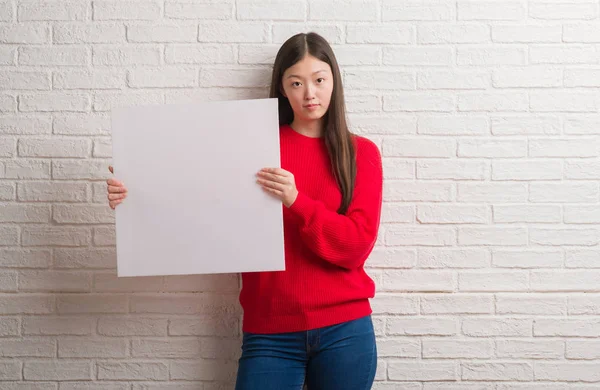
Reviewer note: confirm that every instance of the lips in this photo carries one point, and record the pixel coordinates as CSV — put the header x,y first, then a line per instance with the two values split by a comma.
x,y
312,105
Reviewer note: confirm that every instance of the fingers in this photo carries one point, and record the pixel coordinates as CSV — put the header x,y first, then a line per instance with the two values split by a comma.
x,y
116,189
117,196
273,191
271,184
115,182
110,168
273,177
276,171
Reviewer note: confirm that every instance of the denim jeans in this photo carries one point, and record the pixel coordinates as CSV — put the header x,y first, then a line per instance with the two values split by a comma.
x,y
337,357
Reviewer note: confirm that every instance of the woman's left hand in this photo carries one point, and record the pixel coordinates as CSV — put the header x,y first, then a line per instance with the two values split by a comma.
x,y
280,183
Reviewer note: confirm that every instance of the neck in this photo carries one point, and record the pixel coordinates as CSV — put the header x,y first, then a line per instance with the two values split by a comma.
x,y
310,128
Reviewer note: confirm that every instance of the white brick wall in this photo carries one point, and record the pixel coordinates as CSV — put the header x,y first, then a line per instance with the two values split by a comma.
x,y
486,112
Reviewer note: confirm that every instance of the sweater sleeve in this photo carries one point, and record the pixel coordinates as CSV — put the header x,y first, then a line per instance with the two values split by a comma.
x,y
346,240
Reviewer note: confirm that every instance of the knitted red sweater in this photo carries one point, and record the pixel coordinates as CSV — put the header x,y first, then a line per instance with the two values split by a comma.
x,y
324,282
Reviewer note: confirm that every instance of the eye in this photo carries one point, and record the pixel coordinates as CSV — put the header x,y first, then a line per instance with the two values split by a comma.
x,y
296,84
320,80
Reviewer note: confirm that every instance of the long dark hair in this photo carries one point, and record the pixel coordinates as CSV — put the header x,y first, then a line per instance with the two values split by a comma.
x,y
338,139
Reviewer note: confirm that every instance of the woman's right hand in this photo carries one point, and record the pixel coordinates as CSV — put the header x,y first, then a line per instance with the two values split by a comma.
x,y
117,192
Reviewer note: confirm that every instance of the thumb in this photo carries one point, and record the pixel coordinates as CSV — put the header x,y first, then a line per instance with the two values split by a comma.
x,y
110,168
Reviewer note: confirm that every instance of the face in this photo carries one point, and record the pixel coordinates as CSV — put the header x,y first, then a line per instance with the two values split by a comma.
x,y
308,85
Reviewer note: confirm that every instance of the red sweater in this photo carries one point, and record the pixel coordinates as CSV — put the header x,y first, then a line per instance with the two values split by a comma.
x,y
324,282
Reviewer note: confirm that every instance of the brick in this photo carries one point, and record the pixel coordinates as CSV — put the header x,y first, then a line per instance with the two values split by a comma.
x,y
21,125
380,79
527,259
531,214
82,214
585,237
399,348
163,78
206,326
50,280
422,371
350,10
582,147
386,303
452,169
8,281
528,349
392,258
162,33
586,304
408,147
25,80
93,348
497,371
492,236
419,280
167,348
220,10
24,213
571,280
57,370
55,101
426,236
209,54
526,170
51,192
578,169
132,371
53,56
440,34
457,349
27,348
126,55
395,34
205,369
239,78
570,372
492,148
564,11
7,191
524,33
452,258
26,304
493,281
184,304
28,386
30,33
271,10
53,148
422,326
439,101
582,258
103,32
54,326
40,236
562,54
126,10
7,11
486,327
80,170
53,11
8,103
81,124
238,32
459,79
97,79
8,55
491,55
566,327
487,10
204,283
531,304
583,349
563,192
9,327
411,191
415,56
10,370
133,326
563,101
492,101
110,282
417,11
456,304
358,55
104,236
9,235
97,303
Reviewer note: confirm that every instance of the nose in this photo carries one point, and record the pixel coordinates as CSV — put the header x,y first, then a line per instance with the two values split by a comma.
x,y
309,92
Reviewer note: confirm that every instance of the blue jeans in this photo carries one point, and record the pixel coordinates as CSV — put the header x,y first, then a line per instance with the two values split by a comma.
x,y
337,357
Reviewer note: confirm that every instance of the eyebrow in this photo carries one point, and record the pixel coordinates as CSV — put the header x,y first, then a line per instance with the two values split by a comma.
x,y
318,71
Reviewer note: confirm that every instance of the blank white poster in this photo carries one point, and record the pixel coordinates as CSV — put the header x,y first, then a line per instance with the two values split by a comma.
x,y
193,204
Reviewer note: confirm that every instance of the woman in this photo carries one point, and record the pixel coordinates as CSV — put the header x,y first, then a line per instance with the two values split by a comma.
x,y
312,322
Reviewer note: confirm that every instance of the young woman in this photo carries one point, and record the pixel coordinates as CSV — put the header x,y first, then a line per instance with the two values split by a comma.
x,y
311,324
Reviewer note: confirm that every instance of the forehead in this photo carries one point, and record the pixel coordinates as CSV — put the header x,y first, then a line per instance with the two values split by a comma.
x,y
307,67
